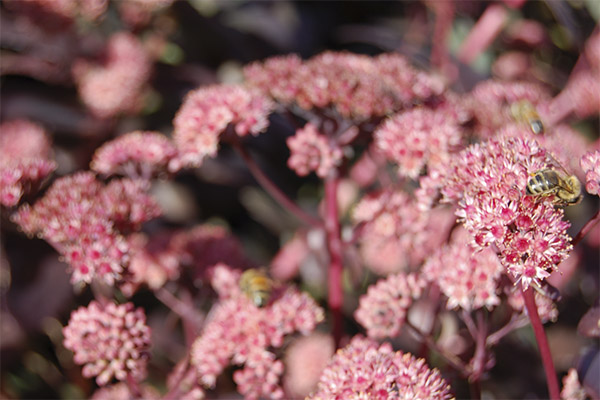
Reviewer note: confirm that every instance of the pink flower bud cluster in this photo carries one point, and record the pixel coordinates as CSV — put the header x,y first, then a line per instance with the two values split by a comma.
x,y
135,155
366,370
417,138
239,333
356,86
590,163
490,103
207,111
312,151
24,159
468,278
489,181
382,311
58,15
81,218
116,85
391,225
305,360
111,340
572,389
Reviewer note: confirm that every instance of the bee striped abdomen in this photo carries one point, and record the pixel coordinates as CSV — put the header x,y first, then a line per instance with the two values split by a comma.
x,y
542,182
257,286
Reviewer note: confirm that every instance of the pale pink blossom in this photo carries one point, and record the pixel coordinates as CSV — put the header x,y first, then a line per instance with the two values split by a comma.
x,y
467,277
312,151
239,333
489,182
382,311
85,222
135,154
109,340
572,389
117,84
58,15
365,370
590,163
25,151
417,138
206,113
305,359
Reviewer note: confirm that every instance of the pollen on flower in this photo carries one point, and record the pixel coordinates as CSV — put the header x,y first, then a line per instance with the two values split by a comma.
x,y
367,370
311,151
239,333
136,154
82,219
207,111
417,138
110,341
116,85
467,277
590,163
489,181
382,311
24,159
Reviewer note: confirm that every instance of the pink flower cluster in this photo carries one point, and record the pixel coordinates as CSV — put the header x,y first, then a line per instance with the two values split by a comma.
x,y
58,15
365,370
135,155
83,220
24,159
116,85
356,86
489,181
239,333
312,151
467,277
392,227
572,389
590,163
382,311
111,340
417,138
207,111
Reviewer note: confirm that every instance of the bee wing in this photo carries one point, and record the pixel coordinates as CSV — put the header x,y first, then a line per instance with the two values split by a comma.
x,y
555,163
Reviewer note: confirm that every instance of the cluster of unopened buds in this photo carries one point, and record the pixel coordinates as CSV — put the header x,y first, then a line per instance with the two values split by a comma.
x,y
461,203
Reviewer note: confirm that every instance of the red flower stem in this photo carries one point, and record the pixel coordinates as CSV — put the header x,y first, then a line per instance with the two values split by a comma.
x,y
334,244
274,191
134,387
483,33
479,358
586,228
540,335
515,322
192,320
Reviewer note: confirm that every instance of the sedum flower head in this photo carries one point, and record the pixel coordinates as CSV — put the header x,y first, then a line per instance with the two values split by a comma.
x,y
467,277
83,219
590,163
206,112
366,370
116,85
417,138
110,341
311,151
24,159
135,154
382,311
239,333
489,181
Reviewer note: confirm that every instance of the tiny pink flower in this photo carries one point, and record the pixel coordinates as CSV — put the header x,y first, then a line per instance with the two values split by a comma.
x,y
116,85
572,389
206,112
110,341
468,278
135,155
239,333
24,159
417,138
366,370
311,151
382,311
590,163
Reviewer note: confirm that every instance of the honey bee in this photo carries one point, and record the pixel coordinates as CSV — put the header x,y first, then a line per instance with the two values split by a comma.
x,y
257,286
565,188
525,112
